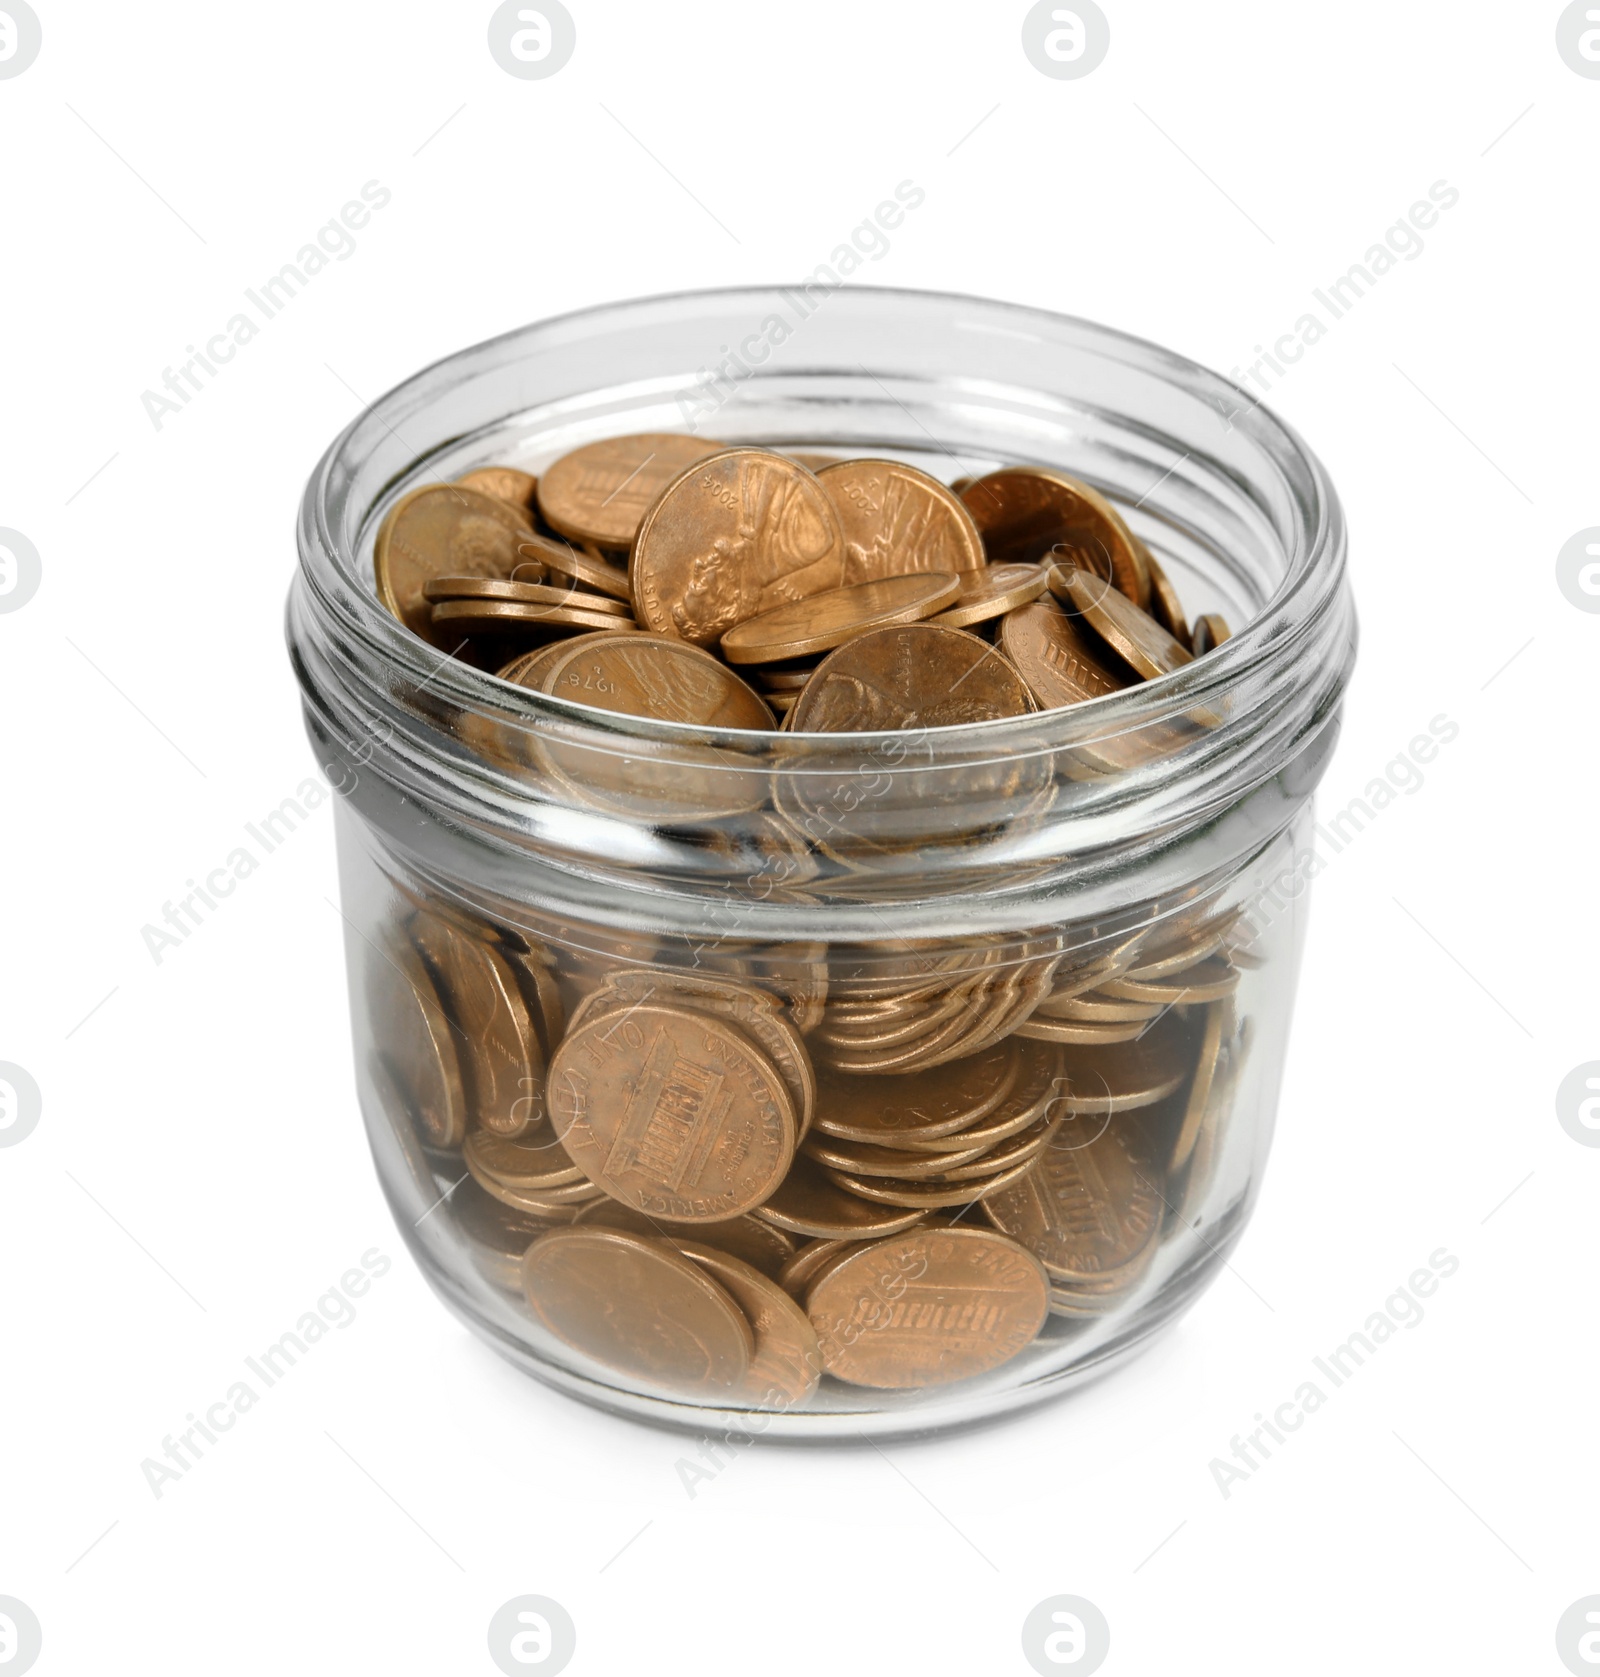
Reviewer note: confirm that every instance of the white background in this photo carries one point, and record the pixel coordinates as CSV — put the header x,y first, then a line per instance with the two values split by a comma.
x,y
199,1176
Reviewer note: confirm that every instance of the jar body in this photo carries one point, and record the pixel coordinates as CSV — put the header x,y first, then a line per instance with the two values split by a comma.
x,y
1080,936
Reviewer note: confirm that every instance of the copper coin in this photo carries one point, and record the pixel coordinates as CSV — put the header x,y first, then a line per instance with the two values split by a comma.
x,y
858,1159
1165,606
747,1238
497,1236
826,620
1121,1077
778,679
806,1202
505,483
739,533
502,617
1210,631
1134,635
528,669
653,675
636,1306
1040,1088
534,1160
1199,1095
520,593
1089,1203
498,1047
1206,981
787,1364
442,530
1097,1008
555,1205
598,493
1041,1028
992,592
923,1196
415,1039
927,1308
1060,661
601,578
673,1112
806,1265
912,676
897,519
921,1106
1030,514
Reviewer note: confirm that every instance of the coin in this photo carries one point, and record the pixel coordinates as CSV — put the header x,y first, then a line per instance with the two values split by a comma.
x,y
1028,514
858,1159
1132,634
787,1364
747,1238
927,1308
911,676
807,1264
673,1112
555,1205
826,620
921,1106
520,593
737,534
897,519
922,1196
1122,1077
1044,1029
1165,605
535,1160
1210,631
806,1202
610,580
1205,1070
1040,1086
500,617
777,679
1061,663
505,483
598,493
636,1306
414,1037
442,529
992,592
653,675
497,1236
498,1048
1098,1008
1206,981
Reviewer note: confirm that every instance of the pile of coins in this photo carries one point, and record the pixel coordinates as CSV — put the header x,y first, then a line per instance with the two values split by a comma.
x,y
755,592
756,1173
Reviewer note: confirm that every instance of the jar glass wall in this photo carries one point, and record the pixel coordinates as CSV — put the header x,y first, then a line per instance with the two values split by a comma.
x,y
992,1018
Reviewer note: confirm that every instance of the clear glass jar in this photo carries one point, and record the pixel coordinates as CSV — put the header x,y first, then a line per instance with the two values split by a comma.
x,y
903,903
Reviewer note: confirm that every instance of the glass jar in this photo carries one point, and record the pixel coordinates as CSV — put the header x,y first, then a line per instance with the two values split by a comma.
x,y
1082,924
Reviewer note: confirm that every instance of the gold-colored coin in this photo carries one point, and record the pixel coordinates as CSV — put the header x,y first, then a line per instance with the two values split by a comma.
x,y
520,593
735,535
505,483
414,1037
787,1364
673,1112
598,493
503,617
1165,605
1134,635
1210,631
634,1305
897,519
927,1308
829,619
442,529
914,675
1061,663
806,1202
992,592
920,1107
594,574
747,1238
1031,514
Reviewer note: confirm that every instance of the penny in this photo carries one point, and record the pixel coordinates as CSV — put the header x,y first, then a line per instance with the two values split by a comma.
x,y
534,1160
737,534
1132,634
992,592
993,1162
1044,1029
786,1364
528,669
1150,968
496,1235
499,617
756,1012
897,519
610,580
1097,1008
559,1204
652,675
922,1196
598,493
747,1238
826,620
442,529
911,676
1089,1203
927,1308
1061,663
920,1107
519,593
636,1306
1165,605
1029,514
416,1041
498,1047
1041,1086
1210,631
806,1202
1122,1077
807,1264
858,1159
778,679
505,483
673,1112
1205,981
1205,1070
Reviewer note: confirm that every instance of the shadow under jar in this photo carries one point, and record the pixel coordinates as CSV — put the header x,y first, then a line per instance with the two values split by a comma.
x,y
807,1010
